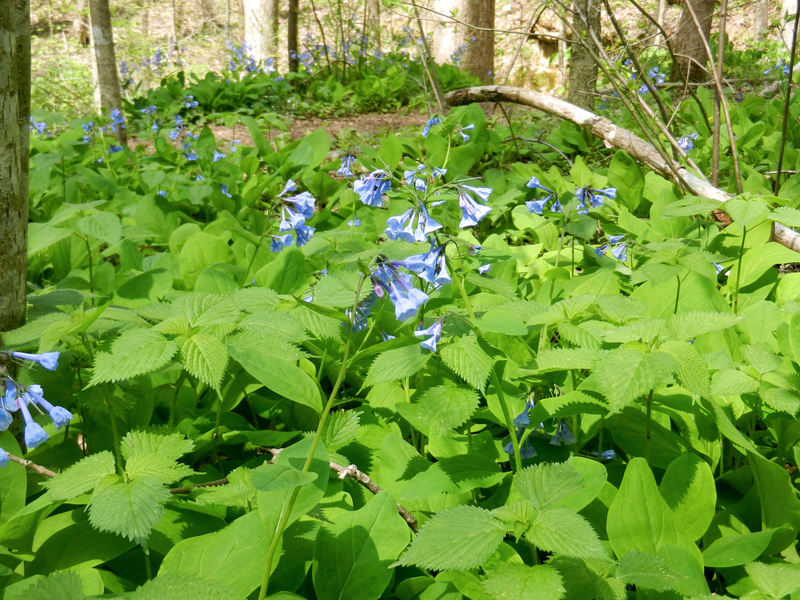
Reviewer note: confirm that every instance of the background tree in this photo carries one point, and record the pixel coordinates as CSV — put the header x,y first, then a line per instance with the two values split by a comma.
x,y
464,30
15,82
261,27
291,34
372,22
583,70
690,53
105,59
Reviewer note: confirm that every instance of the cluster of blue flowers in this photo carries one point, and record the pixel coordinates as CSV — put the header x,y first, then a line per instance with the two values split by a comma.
x,y
619,249
293,219
686,142
782,66
19,398
39,128
587,198
562,436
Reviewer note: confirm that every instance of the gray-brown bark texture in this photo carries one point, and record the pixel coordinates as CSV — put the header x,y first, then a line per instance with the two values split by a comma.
x,y
291,35
105,58
14,106
479,54
583,68
690,53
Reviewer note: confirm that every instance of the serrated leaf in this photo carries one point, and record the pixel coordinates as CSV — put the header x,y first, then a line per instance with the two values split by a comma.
x,y
447,406
239,491
278,326
256,299
521,582
128,508
274,477
396,364
81,477
625,374
205,357
102,226
135,352
321,326
468,360
338,289
341,428
785,215
565,532
63,585
180,586
647,571
781,400
171,446
470,471
732,382
462,537
206,310
546,484
559,359
689,325
776,580
693,370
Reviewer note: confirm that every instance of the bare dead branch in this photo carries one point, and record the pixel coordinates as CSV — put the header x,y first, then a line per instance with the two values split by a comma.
x,y
29,464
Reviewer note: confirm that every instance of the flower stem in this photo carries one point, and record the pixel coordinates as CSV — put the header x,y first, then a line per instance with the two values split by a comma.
x,y
648,432
286,511
509,421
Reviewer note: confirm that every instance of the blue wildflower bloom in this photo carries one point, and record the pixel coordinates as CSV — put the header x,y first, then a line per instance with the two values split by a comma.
x,y
435,333
344,169
5,419
430,267
601,251
483,269
402,293
526,450
466,136
189,101
563,435
590,197
224,189
39,127
218,155
117,117
438,172
472,211
304,234
403,226
355,221
371,188
434,120
295,219
537,206
60,415
34,433
149,110
114,148
658,78
608,454
620,252
10,396
290,186
305,204
686,142
279,242
48,360
4,458
412,177
615,239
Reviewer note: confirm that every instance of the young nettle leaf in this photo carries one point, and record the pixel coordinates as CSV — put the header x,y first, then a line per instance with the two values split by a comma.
x,y
81,477
65,585
179,586
468,360
444,407
341,428
647,571
510,581
239,491
135,352
155,456
563,531
548,484
777,581
396,364
462,537
205,357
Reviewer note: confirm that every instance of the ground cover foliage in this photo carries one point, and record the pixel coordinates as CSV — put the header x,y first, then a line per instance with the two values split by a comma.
x,y
555,375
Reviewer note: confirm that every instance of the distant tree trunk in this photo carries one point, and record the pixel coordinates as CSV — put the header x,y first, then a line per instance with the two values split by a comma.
x,y
372,22
255,28
145,36
272,19
80,24
583,70
176,20
209,14
15,81
760,20
788,13
291,35
447,35
107,76
690,53
479,54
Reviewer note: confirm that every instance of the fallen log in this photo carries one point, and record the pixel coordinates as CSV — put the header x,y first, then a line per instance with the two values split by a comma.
x,y
612,135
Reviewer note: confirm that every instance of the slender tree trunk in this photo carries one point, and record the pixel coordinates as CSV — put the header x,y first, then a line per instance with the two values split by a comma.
x,y
479,53
176,20
447,35
583,70
80,24
760,20
145,36
107,76
209,14
15,82
272,19
689,50
372,23
255,28
291,35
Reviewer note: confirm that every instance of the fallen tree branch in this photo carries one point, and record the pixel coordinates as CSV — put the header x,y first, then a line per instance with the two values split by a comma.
x,y
29,464
612,135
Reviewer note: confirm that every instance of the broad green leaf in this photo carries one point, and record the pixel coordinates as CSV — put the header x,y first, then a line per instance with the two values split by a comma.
x,y
135,352
625,374
638,517
559,359
341,428
13,480
785,215
280,376
625,175
462,537
689,490
469,471
180,586
286,274
777,581
128,508
102,226
271,478
338,289
733,550
521,582
468,360
352,555
500,321
81,477
396,364
64,585
239,490
565,532
444,407
233,557
746,211
647,571
205,357
757,261
687,326
779,503
546,484
199,251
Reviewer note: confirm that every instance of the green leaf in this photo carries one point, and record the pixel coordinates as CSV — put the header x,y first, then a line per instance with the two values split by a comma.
x,y
155,456
135,352
239,490
201,250
565,532
625,374
734,550
693,371
338,289
445,407
689,325
352,555
277,374
462,537
689,490
341,428
271,478
521,582
746,211
13,481
205,357
625,175
546,484
757,261
102,226
500,321
128,508
63,585
777,581
638,517
785,215
647,571
396,364
286,274
468,360
81,477
179,586
779,503
559,359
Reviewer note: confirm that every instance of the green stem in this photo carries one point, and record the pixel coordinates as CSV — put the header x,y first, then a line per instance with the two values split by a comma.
x,y
600,436
677,295
459,281
215,437
91,273
174,404
114,434
739,273
558,260
286,511
148,569
648,432
509,421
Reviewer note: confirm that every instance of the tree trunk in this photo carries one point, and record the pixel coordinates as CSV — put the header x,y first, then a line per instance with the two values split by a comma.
x,y
272,19
15,82
80,24
479,53
760,20
107,76
583,70
788,13
690,53
255,28
445,31
291,35
372,23
209,14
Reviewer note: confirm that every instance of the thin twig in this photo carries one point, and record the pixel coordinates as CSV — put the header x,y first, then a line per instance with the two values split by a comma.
x,y
29,464
786,113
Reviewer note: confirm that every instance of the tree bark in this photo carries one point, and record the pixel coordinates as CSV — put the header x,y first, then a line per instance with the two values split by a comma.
x,y
583,70
372,23
479,53
209,15
291,35
14,108
255,28
689,50
80,24
107,76
272,18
